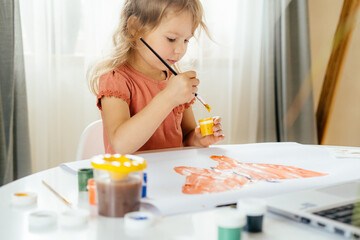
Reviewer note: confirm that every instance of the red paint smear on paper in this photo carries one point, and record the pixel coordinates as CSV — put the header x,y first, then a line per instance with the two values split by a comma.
x,y
231,174
200,180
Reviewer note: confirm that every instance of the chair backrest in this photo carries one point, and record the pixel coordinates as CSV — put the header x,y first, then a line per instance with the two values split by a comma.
x,y
91,142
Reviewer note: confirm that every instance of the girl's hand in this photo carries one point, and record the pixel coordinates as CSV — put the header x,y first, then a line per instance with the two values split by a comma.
x,y
210,139
182,88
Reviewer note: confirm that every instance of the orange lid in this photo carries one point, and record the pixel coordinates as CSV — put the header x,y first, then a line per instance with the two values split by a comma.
x,y
91,182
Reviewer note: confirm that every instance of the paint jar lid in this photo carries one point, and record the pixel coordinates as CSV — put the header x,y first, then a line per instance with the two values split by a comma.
x,y
252,206
91,182
42,219
230,218
86,172
23,199
138,220
74,218
206,121
118,163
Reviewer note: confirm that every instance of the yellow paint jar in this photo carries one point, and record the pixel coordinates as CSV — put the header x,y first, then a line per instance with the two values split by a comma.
x,y
206,126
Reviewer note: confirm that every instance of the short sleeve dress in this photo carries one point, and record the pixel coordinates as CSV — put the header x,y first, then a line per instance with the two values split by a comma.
x,y
137,90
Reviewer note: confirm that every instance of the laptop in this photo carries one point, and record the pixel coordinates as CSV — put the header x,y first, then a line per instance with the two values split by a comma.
x,y
334,208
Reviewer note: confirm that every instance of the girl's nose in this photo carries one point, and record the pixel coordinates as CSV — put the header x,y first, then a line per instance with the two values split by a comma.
x,y
180,48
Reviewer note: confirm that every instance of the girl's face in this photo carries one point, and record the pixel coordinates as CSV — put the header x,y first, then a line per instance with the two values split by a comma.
x,y
170,40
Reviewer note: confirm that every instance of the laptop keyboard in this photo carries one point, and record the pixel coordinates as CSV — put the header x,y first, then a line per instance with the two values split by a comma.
x,y
348,214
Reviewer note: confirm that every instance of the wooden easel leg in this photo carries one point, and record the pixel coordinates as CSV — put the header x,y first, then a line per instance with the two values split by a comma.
x,y
344,30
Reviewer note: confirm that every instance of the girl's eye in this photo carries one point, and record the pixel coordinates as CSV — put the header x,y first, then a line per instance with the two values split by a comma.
x,y
171,39
186,41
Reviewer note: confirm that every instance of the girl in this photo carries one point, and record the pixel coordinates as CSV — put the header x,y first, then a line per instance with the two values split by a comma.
x,y
142,105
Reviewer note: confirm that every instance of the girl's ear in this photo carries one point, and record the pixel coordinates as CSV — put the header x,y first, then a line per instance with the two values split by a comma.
x,y
132,25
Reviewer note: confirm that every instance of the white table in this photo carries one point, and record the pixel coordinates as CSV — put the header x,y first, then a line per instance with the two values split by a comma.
x,y
14,220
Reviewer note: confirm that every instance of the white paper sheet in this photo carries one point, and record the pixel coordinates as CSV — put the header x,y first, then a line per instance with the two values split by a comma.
x,y
343,152
73,167
164,187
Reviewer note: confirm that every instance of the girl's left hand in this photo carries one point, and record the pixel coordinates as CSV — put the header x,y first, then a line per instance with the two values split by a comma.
x,y
213,138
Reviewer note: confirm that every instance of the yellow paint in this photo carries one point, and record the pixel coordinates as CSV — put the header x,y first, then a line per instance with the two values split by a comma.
x,y
21,194
207,107
206,126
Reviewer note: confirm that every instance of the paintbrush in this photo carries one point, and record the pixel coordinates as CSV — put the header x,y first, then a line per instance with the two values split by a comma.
x,y
57,194
173,72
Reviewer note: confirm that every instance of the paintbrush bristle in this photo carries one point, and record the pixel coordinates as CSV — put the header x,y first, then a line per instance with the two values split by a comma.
x,y
207,107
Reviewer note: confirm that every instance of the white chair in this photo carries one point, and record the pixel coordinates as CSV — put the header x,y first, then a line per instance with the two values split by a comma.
x,y
91,142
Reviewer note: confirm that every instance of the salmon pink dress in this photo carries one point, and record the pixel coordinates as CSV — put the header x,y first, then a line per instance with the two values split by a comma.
x,y
137,90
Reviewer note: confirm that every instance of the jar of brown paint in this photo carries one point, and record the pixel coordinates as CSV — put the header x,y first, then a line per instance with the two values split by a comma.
x,y
118,181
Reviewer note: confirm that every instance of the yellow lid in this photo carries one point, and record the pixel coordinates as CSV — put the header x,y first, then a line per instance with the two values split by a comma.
x,y
119,163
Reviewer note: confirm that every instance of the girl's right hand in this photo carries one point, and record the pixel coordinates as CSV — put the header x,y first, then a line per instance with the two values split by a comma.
x,y
182,87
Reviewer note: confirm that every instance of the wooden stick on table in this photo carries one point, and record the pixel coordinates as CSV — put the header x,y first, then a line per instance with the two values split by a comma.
x,y
57,194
